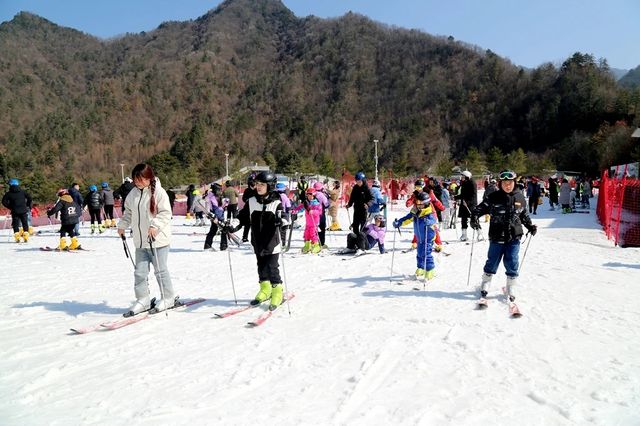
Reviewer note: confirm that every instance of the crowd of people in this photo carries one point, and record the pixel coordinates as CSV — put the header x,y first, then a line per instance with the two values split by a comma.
x,y
270,210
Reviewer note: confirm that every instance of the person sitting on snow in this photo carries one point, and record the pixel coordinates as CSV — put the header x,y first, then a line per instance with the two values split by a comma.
x,y
367,239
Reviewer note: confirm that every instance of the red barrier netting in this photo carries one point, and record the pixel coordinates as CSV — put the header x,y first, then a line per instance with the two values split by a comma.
x,y
619,208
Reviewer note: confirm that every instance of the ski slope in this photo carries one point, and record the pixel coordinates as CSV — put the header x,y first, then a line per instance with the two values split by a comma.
x,y
356,348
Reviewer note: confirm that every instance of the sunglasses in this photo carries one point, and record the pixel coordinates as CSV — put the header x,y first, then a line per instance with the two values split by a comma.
x,y
509,175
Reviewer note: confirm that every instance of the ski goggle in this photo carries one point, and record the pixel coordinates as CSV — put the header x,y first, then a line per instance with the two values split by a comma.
x,y
508,175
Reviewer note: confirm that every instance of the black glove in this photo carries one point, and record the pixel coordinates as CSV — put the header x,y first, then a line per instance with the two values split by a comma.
x,y
475,224
294,217
382,207
533,229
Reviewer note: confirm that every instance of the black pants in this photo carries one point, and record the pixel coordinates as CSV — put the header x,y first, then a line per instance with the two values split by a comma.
x,y
269,269
358,241
68,229
213,230
245,232
108,211
359,220
16,219
533,204
323,227
95,216
232,211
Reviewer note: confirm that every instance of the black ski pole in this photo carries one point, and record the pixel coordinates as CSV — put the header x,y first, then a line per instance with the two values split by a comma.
x,y
126,250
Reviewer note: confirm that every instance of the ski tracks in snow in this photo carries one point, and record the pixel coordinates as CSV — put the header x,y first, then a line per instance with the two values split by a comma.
x,y
372,375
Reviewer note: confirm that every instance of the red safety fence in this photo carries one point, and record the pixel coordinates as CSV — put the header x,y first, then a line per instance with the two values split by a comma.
x,y
619,208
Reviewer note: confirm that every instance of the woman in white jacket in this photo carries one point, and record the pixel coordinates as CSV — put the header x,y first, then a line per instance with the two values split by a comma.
x,y
147,212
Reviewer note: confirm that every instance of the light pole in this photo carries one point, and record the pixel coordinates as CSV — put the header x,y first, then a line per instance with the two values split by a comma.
x,y
122,171
375,141
227,164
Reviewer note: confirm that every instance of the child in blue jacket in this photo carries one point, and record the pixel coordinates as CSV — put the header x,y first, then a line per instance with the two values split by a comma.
x,y
424,222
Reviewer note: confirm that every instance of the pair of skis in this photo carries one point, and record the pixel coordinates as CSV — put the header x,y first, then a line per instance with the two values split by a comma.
x,y
260,319
514,311
131,319
47,248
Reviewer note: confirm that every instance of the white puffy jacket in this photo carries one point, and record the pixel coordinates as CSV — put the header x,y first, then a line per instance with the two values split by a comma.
x,y
139,218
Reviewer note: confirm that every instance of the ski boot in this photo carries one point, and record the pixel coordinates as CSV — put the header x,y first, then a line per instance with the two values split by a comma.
x,y
163,305
276,296
63,244
315,248
75,245
264,293
463,237
16,236
93,228
420,273
429,275
138,306
307,247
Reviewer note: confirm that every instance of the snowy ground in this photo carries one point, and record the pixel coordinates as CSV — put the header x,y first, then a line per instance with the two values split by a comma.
x,y
356,348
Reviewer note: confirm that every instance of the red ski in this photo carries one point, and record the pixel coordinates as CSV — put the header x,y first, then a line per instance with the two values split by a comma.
x,y
266,315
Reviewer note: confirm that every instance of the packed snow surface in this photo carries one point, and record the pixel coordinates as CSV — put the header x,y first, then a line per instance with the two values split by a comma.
x,y
353,346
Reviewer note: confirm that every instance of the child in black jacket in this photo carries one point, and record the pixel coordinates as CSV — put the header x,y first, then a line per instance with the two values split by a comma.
x,y
263,212
69,218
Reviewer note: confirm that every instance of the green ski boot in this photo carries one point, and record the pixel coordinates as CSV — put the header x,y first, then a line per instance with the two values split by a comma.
x,y
307,247
276,296
263,294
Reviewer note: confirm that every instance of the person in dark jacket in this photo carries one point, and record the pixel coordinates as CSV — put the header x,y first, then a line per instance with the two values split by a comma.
x,y
553,193
533,192
19,203
508,210
246,195
123,190
74,191
264,212
468,198
108,201
361,200
190,197
231,194
70,213
436,188
94,202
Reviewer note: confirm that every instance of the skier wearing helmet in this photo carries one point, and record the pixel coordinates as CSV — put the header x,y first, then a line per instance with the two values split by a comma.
x,y
263,212
323,199
18,202
508,209
94,202
312,214
69,218
361,200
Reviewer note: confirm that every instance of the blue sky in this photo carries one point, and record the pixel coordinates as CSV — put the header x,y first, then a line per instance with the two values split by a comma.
x,y
528,32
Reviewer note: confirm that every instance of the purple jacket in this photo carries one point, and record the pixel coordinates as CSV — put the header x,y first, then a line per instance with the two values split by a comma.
x,y
376,232
322,199
286,202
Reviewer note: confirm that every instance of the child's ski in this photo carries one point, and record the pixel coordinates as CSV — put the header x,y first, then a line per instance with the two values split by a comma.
x,y
482,304
266,315
237,310
514,311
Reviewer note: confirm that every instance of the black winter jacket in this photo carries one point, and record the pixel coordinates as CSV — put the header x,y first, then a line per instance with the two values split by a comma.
x,y
123,190
69,210
261,213
93,200
469,194
17,200
508,215
360,195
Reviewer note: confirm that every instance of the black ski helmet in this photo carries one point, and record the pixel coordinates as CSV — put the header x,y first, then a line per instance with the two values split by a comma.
x,y
268,178
424,197
419,182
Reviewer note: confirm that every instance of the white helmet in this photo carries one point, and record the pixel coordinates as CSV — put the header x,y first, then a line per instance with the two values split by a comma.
x,y
467,173
376,183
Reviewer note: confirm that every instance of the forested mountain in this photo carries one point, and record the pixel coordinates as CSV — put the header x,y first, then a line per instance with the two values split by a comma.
x,y
301,94
632,78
